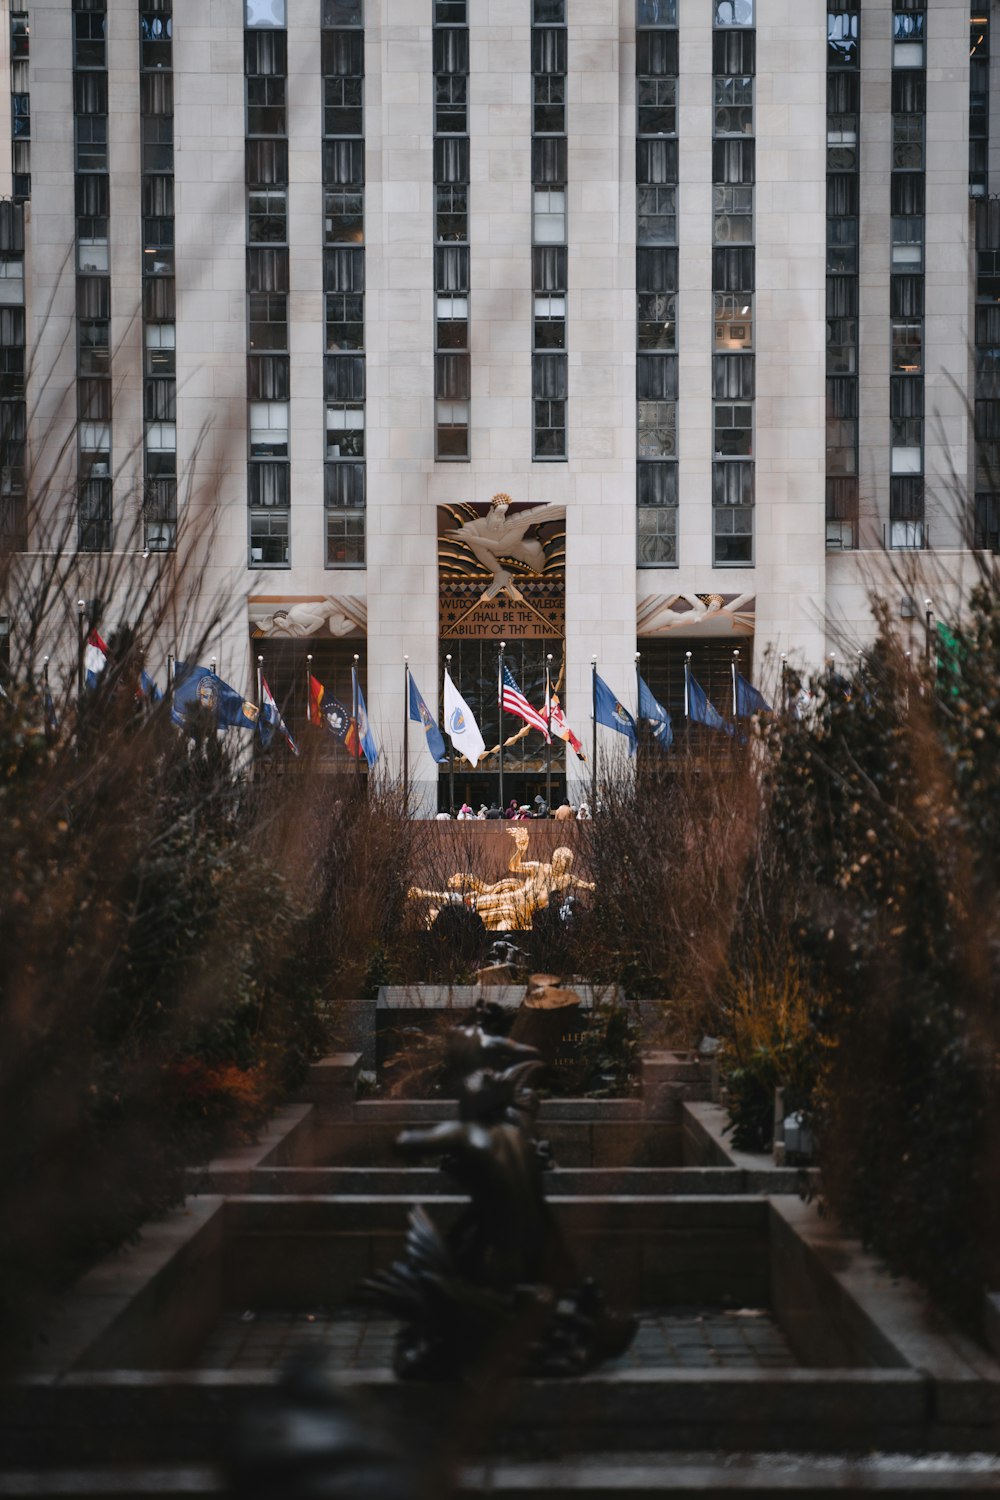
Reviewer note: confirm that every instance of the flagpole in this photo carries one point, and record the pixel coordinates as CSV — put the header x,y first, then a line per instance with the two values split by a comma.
x,y
784,683
735,668
309,670
406,736
170,671
687,698
593,711
451,750
260,683
638,705
548,726
357,727
81,610
503,647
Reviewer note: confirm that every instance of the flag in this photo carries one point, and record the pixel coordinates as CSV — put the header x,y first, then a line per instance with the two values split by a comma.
x,y
560,728
461,725
270,719
608,711
949,658
699,710
749,700
656,716
364,729
327,711
514,701
421,714
95,659
198,687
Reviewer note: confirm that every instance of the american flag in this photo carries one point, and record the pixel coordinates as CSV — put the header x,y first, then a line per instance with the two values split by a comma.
x,y
514,701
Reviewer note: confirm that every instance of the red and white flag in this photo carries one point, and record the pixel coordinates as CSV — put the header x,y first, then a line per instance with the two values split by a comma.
x,y
95,658
561,729
514,701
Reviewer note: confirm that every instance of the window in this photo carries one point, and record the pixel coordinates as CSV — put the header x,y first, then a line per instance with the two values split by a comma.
x,y
345,431
95,446
343,111
908,143
266,105
733,312
347,12
267,216
549,223
158,143
451,426
656,215
906,443
908,39
452,322
842,247
839,536
907,347
733,106
161,449
986,534
549,429
158,247
841,143
21,112
20,35
732,535
548,11
841,445
450,104
550,322
732,208
841,346
89,49
268,429
450,12
266,13
91,254
94,515
269,538
345,538
842,30
549,117
268,321
656,435
656,541
343,217
657,106
906,536
91,143
95,348
452,212
734,12
907,244
155,34
656,13
733,429
345,321
161,354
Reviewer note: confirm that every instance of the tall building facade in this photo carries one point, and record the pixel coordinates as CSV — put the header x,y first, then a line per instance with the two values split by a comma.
x,y
712,281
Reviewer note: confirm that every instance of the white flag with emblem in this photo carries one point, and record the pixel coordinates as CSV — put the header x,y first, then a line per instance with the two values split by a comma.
x,y
460,723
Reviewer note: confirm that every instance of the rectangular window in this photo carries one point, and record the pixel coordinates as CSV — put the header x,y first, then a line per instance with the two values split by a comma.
x,y
451,213
732,535
349,12
268,321
841,143
734,12
906,444
345,321
656,541
733,422
656,215
451,428
89,47
95,348
94,515
732,209
549,429
656,13
161,352
91,256
345,538
549,111
908,244
343,217
907,348
842,247
841,445
908,143
266,13
266,114
345,430
549,220
906,536
91,143
450,104
268,429
343,110
452,322
656,435
155,41
267,216
158,143
550,322
908,30
733,312
841,346
733,106
657,106
269,538
842,31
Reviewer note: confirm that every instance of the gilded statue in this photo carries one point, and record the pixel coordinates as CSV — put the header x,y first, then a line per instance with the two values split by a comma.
x,y
511,903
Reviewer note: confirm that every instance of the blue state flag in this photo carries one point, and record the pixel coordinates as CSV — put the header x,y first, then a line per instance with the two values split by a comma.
x,y
421,714
656,716
198,687
700,711
149,691
749,700
365,736
610,711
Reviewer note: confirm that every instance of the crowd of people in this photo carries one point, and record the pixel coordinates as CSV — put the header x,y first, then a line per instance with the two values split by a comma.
x,y
514,813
